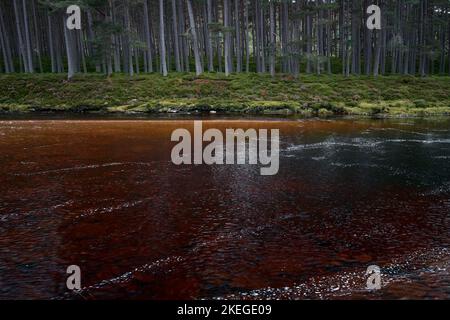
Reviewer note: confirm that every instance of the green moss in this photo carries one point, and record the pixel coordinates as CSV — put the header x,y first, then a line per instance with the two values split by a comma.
x,y
250,93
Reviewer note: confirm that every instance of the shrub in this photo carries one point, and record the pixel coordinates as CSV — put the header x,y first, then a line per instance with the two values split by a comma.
x,y
420,103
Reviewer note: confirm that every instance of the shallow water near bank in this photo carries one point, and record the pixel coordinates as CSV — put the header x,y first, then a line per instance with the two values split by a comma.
x,y
104,195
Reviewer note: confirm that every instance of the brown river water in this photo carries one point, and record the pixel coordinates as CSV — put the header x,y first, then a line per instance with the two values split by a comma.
x,y
104,195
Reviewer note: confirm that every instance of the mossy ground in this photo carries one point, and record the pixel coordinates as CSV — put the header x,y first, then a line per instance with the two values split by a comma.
x,y
246,93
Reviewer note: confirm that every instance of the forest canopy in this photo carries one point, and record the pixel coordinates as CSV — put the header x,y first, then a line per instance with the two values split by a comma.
x,y
231,36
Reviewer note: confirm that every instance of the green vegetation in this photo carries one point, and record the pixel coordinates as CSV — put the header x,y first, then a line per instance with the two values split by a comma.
x,y
244,93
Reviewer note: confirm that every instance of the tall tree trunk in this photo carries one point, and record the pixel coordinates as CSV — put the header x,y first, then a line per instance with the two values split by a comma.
x,y
70,50
378,35
272,38
308,41
19,36
247,37
376,64
319,37
210,50
355,38
4,51
115,39
128,56
262,39
422,37
59,44
162,39
448,45
90,40
367,47
340,32
383,50
109,48
29,51
148,40
198,61
442,49
176,36
226,19
185,44
238,35
82,51
7,55
328,38
36,36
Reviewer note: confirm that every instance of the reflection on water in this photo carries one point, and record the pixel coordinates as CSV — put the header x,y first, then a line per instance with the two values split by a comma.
x,y
104,195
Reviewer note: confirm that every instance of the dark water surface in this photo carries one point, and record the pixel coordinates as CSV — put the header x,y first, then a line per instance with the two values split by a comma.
x,y
104,195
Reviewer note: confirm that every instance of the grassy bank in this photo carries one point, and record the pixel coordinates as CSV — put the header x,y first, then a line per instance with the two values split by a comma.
x,y
308,95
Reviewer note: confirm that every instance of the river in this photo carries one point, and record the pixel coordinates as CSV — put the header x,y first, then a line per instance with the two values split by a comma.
x,y
104,195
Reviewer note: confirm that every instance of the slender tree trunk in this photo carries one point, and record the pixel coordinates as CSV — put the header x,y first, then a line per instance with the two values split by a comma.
x,y
341,29
328,39
448,45
308,42
284,17
208,35
198,62
29,51
343,35
109,48
4,51
247,37
91,39
422,37
377,60
176,36
7,55
71,57
82,51
348,48
319,38
148,40
115,39
262,39
383,50
136,59
36,36
59,45
128,57
186,50
226,15
367,47
442,58
238,35
376,65
19,36
162,39
272,38
355,38
296,38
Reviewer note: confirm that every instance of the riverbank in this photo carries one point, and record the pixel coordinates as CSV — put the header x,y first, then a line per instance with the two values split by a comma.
x,y
309,95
